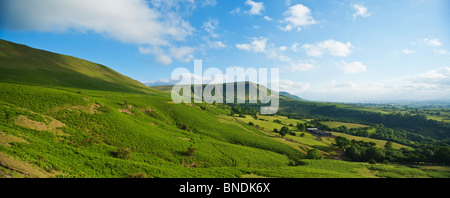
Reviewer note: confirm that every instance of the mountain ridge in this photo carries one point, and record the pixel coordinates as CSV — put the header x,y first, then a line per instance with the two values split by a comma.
x,y
23,64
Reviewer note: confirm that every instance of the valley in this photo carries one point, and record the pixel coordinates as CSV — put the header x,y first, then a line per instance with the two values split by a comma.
x,y
61,116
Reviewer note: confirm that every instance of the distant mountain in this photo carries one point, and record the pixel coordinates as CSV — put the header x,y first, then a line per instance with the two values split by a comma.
x,y
288,95
26,65
248,86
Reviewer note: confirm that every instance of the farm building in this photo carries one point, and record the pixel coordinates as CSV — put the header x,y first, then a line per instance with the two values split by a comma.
x,y
318,132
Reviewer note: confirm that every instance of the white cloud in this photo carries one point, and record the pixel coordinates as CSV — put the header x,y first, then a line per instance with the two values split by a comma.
x,y
360,11
208,3
294,47
160,55
256,7
293,86
128,21
332,47
217,44
432,42
210,26
148,24
257,45
297,66
407,51
297,16
441,51
164,59
236,11
277,54
437,79
183,54
352,68
267,18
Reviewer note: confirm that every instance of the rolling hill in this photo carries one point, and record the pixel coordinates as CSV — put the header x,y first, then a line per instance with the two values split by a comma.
x,y
25,65
62,116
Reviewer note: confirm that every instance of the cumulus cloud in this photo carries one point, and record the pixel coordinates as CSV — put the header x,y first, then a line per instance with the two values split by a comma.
x,y
256,7
297,66
149,24
210,26
441,51
257,45
437,79
216,44
297,16
267,18
293,86
361,11
332,47
183,54
352,68
128,21
432,42
408,51
287,64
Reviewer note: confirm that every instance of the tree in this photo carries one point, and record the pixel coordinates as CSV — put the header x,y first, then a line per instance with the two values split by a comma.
x,y
301,127
375,153
284,131
353,153
342,142
442,155
389,145
314,154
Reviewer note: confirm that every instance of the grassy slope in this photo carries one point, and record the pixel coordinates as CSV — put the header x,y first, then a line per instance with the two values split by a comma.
x,y
25,65
50,129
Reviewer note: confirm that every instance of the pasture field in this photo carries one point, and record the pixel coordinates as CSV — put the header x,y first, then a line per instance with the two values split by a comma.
x,y
332,124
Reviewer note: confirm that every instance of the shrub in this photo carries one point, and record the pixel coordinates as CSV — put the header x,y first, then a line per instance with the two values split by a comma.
x,y
191,151
104,109
137,175
314,154
124,153
372,161
185,127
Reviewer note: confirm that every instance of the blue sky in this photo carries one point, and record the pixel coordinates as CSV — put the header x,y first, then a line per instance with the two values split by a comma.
x,y
328,50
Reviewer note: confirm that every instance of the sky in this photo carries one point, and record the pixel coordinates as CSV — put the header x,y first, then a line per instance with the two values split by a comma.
x,y
327,50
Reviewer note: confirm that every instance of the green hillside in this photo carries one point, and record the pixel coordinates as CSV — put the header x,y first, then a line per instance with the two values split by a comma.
x,y
25,65
65,117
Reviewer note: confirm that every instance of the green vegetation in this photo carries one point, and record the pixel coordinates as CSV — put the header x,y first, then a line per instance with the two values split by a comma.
x,y
65,117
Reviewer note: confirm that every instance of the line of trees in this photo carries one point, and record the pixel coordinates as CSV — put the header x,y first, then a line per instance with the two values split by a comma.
x,y
368,152
413,122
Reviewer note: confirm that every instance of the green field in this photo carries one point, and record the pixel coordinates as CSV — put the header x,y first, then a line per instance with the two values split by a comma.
x,y
338,124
